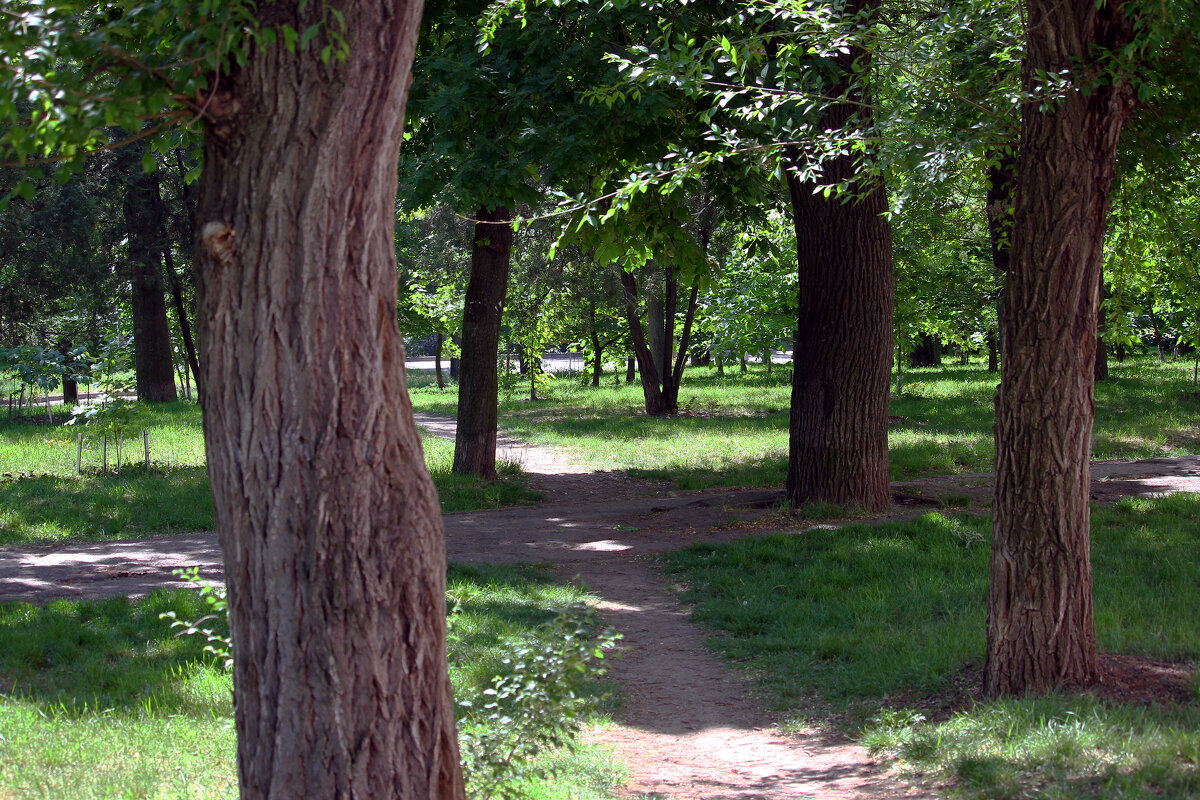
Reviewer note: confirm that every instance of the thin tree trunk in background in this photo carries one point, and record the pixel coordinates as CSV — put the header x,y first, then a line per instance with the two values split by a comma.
x,y
144,214
185,327
1157,337
328,520
1041,632
842,358
651,387
993,363
1001,194
437,361
742,359
483,309
598,351
455,365
630,369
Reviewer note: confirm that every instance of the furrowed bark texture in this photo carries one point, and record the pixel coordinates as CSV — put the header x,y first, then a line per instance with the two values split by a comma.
x,y
329,523
842,355
154,372
1040,625
483,310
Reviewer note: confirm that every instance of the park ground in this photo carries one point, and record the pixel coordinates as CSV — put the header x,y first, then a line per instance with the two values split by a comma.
x,y
837,654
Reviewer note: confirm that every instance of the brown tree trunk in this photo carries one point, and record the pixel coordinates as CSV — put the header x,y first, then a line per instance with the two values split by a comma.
x,y
437,361
1041,632
598,351
927,353
1100,372
1001,192
483,308
647,370
842,356
185,327
329,522
993,362
153,369
630,369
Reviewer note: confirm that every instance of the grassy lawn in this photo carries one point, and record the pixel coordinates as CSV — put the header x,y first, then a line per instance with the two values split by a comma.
x,y
100,700
873,627
42,499
732,430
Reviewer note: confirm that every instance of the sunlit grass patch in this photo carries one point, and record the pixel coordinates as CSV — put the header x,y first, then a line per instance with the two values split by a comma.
x,y
875,628
101,700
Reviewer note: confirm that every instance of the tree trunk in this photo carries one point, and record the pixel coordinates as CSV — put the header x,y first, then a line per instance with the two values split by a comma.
x,y
153,370
1100,371
1001,193
455,364
483,308
656,404
993,363
185,327
70,392
842,356
630,369
328,520
655,322
1041,632
598,351
927,353
437,361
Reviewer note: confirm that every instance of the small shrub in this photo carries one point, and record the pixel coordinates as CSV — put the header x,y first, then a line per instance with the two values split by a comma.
x,y
537,705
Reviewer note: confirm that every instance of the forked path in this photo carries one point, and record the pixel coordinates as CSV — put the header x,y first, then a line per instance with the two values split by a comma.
x,y
689,727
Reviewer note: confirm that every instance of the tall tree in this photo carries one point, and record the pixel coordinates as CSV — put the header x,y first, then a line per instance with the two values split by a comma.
x,y
842,354
328,520
1041,631
145,216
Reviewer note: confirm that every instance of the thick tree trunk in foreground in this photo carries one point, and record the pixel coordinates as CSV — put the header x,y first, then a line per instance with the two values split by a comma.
x,y
153,368
1040,626
842,356
483,309
329,523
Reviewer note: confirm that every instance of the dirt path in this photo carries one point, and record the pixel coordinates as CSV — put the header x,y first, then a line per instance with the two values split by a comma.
x,y
689,727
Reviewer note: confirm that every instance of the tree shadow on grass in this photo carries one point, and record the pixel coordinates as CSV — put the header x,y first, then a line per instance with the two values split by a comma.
x,y
134,503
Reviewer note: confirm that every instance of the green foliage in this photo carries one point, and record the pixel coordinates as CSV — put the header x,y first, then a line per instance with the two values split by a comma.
x,y
536,704
216,606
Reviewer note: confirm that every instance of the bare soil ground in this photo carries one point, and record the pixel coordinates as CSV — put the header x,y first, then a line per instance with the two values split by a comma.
x,y
690,726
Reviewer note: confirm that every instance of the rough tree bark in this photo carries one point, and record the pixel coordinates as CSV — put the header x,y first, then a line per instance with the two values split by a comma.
x,y
327,517
483,309
1040,625
842,355
154,372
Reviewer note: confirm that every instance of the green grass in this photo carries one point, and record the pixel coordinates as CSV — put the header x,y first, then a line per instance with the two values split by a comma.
x,y
42,499
862,625
732,430
100,700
